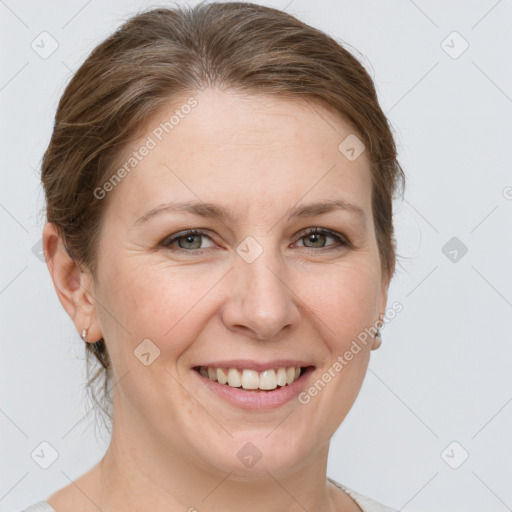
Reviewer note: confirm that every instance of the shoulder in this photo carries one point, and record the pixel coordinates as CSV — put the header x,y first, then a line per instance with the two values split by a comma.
x,y
81,495
40,506
366,504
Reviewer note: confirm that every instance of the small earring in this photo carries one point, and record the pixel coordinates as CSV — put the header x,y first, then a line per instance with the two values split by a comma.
x,y
378,340
84,335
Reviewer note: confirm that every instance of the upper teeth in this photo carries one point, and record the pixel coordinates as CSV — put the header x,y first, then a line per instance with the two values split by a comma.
x,y
251,379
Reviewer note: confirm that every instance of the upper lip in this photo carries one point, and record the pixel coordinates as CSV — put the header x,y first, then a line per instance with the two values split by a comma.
x,y
246,364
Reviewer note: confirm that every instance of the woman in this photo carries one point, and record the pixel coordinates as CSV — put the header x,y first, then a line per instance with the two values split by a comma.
x,y
219,189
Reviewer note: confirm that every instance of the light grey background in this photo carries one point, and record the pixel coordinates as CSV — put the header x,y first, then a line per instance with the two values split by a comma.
x,y
443,372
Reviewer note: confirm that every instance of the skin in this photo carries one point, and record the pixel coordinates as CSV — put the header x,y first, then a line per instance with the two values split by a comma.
x,y
174,443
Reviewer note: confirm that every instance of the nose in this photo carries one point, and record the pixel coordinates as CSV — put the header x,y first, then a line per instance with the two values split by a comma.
x,y
260,303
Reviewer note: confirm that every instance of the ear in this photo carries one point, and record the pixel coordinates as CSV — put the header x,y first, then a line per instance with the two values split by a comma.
x,y
383,299
74,287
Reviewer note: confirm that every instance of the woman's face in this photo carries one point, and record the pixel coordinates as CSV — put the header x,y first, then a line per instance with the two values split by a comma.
x,y
253,290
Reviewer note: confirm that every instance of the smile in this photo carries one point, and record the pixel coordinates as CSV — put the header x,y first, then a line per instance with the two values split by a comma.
x,y
252,379
254,386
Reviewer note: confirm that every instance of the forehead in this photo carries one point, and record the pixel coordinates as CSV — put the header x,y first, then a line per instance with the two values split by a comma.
x,y
255,150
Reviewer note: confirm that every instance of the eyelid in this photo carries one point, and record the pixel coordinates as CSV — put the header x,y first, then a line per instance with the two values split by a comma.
x,y
167,241
342,240
339,237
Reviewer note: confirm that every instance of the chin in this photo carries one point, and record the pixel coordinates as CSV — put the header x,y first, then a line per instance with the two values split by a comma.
x,y
256,453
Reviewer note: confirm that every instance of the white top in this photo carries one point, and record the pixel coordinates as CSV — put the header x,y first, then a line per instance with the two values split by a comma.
x,y
366,504
40,506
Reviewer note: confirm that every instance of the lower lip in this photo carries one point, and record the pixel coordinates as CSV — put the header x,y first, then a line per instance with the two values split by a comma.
x,y
258,399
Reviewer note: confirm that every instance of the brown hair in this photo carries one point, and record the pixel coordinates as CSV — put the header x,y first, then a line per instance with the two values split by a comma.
x,y
162,54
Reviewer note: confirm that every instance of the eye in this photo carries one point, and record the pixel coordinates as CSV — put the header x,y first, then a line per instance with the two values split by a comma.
x,y
187,241
315,238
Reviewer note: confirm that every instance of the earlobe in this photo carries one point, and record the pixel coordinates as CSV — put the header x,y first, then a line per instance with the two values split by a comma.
x,y
71,284
377,340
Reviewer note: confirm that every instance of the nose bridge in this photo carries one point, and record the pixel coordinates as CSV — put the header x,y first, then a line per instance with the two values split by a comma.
x,y
259,298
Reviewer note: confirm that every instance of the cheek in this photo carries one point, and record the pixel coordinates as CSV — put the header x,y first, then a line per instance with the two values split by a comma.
x,y
163,304
345,299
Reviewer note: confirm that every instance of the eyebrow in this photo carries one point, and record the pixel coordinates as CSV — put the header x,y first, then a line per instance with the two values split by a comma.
x,y
217,211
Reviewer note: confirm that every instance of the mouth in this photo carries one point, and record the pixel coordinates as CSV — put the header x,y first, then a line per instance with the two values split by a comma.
x,y
252,386
253,380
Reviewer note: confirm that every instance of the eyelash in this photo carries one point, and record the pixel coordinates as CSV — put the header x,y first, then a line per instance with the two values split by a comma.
x,y
341,240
